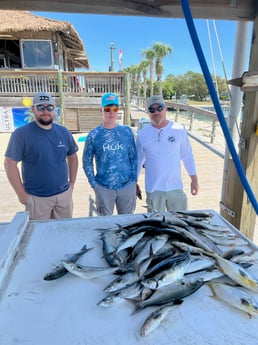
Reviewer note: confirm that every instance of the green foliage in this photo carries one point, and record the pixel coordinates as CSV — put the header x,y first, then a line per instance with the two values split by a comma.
x,y
191,84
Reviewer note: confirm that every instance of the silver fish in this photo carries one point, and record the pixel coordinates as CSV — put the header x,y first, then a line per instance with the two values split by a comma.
x,y
156,317
226,232
130,241
251,257
152,246
172,220
130,291
227,240
200,263
198,214
59,270
87,272
167,276
236,297
234,271
170,293
125,279
197,240
185,247
237,273
205,275
113,259
160,262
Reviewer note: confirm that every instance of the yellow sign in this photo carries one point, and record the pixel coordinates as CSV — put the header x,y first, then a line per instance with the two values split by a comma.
x,y
26,102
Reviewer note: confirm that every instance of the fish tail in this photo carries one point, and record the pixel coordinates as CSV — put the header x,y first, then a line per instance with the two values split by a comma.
x,y
137,307
87,249
84,248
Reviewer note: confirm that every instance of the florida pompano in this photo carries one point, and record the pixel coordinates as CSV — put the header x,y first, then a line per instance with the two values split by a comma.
x,y
235,296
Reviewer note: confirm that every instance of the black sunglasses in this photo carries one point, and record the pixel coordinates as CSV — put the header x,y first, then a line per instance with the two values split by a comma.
x,y
41,107
159,109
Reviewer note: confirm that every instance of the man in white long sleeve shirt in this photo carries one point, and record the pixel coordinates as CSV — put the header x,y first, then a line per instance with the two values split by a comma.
x,y
161,146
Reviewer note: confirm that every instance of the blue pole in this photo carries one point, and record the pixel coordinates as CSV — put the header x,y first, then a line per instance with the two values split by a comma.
x,y
214,97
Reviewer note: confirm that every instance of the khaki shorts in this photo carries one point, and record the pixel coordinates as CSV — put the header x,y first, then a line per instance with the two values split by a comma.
x,y
173,200
53,207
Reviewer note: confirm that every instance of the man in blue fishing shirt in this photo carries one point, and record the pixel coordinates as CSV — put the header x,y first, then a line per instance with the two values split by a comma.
x,y
113,174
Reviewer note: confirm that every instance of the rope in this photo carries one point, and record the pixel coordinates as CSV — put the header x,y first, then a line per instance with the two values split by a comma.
x,y
217,106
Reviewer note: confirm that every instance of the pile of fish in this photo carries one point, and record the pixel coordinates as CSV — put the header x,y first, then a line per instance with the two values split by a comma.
x,y
162,259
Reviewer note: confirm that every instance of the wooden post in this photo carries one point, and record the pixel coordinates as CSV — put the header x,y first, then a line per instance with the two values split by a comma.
x,y
61,96
236,207
177,114
213,131
191,121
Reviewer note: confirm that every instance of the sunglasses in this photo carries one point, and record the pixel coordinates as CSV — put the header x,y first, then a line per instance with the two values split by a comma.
x,y
108,109
41,107
159,109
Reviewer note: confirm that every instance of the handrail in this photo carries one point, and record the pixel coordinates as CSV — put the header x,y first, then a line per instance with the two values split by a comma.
x,y
189,115
28,82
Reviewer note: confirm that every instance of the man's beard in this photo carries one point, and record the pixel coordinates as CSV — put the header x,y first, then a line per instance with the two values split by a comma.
x,y
45,123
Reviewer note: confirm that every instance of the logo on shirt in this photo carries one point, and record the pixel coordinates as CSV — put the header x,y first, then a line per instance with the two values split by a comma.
x,y
113,147
171,139
60,144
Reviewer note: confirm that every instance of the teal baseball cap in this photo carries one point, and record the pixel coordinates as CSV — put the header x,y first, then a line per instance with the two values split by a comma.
x,y
109,98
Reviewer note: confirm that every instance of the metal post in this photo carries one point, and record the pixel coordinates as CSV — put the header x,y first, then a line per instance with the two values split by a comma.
x,y
112,47
127,118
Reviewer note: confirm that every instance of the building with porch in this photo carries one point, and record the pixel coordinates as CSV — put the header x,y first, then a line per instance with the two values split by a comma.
x,y
40,54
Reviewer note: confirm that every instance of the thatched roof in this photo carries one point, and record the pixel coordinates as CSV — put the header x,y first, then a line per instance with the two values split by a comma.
x,y
20,21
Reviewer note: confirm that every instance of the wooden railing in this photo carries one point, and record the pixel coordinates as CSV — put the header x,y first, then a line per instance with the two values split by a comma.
x,y
27,82
201,122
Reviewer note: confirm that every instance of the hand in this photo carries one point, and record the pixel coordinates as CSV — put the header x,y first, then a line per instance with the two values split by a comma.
x,y
195,188
23,198
138,192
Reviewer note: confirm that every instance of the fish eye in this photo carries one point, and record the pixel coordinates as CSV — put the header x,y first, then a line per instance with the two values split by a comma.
x,y
244,302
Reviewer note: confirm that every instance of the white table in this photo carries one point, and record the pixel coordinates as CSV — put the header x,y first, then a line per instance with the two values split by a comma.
x,y
65,311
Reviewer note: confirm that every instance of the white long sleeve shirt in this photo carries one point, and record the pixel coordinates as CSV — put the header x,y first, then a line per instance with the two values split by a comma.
x,y
161,151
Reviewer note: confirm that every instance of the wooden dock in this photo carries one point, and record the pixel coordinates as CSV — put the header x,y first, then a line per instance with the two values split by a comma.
x,y
207,162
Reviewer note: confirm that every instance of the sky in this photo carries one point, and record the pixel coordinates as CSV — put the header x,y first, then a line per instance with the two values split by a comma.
x,y
134,34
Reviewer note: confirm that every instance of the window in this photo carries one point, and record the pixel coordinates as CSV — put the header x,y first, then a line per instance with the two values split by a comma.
x,y
37,54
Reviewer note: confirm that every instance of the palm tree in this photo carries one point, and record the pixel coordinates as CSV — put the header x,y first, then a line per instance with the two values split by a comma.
x,y
149,55
133,72
144,64
161,50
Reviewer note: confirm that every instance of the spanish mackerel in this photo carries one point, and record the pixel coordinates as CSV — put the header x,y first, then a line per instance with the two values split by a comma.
x,y
88,272
59,270
170,293
156,317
